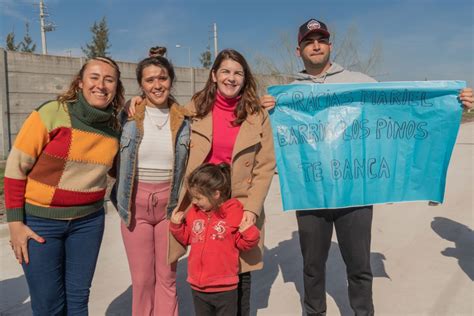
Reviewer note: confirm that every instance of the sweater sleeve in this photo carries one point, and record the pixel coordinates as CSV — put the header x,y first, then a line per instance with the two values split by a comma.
x,y
247,239
29,144
180,232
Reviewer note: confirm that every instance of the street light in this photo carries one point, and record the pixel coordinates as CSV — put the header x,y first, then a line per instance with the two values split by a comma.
x,y
189,53
191,69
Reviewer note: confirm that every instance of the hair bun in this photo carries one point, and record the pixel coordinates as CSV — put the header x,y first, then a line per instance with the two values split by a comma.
x,y
157,51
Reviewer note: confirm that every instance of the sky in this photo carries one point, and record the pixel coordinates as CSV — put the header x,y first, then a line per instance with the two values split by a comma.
x,y
420,39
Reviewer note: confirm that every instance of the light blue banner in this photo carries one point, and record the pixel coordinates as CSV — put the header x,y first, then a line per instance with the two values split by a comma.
x,y
340,145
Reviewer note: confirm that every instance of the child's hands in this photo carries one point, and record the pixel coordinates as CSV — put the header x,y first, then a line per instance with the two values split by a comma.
x,y
177,217
244,225
248,219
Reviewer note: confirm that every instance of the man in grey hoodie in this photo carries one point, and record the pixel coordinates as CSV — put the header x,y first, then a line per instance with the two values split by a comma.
x,y
353,224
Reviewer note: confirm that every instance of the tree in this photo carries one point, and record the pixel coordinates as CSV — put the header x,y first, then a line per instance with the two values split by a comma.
x,y
205,58
284,61
10,41
346,52
100,40
27,41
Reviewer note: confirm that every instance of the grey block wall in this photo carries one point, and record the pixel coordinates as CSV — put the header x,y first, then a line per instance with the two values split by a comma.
x,y
28,80
4,112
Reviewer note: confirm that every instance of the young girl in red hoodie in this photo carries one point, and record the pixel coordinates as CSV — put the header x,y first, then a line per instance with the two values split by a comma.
x,y
213,227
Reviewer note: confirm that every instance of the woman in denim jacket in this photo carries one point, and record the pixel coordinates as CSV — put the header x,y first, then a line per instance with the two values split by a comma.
x,y
149,171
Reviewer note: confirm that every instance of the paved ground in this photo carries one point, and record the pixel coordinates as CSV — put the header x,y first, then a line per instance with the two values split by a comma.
x,y
422,257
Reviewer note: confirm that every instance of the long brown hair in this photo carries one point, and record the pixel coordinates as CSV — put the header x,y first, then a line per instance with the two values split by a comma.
x,y
249,102
71,95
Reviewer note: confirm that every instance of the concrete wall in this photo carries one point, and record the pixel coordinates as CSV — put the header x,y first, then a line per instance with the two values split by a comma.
x,y
4,112
28,80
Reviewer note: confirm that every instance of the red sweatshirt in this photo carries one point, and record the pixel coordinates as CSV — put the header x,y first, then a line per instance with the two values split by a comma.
x,y
213,263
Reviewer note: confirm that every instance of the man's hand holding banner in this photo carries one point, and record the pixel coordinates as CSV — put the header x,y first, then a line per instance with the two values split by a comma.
x,y
341,145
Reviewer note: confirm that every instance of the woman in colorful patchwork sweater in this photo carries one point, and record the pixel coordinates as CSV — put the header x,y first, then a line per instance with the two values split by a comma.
x,y
55,182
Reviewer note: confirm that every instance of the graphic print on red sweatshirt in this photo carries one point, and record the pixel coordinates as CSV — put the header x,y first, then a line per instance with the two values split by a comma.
x,y
197,231
215,239
198,228
219,231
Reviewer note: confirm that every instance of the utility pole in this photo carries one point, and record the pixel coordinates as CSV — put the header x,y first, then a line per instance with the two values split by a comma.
x,y
45,26
43,33
215,41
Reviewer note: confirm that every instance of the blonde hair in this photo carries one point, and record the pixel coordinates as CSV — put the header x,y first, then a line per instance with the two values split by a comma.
x,y
71,94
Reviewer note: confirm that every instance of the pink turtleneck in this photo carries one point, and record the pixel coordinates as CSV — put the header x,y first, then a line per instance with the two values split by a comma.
x,y
224,133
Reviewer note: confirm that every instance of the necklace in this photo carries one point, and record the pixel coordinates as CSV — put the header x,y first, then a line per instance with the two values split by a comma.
x,y
159,126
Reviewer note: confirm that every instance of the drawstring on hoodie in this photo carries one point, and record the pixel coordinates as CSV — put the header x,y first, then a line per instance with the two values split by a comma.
x,y
321,79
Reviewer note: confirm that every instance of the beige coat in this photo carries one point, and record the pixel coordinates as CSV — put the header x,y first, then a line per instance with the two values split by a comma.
x,y
253,166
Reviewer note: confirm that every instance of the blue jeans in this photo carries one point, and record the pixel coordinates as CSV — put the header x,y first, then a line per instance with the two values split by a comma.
x,y
60,271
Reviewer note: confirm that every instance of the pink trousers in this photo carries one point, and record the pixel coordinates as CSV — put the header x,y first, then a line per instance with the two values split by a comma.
x,y
146,242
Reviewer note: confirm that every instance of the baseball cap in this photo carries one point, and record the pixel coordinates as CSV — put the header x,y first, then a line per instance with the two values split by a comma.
x,y
312,26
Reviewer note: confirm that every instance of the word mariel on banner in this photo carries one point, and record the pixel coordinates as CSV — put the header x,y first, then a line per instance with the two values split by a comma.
x,y
341,145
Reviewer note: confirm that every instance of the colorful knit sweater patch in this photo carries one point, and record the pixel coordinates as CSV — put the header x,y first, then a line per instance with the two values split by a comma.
x,y
58,165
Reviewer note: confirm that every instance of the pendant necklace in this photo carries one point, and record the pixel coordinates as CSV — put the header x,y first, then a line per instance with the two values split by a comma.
x,y
159,126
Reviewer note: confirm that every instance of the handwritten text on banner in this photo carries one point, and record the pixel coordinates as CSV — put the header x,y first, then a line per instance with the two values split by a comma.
x,y
340,145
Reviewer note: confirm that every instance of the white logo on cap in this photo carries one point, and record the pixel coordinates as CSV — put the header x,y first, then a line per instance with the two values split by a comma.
x,y
313,25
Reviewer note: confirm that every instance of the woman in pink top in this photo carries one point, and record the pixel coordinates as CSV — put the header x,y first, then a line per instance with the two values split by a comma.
x,y
231,127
